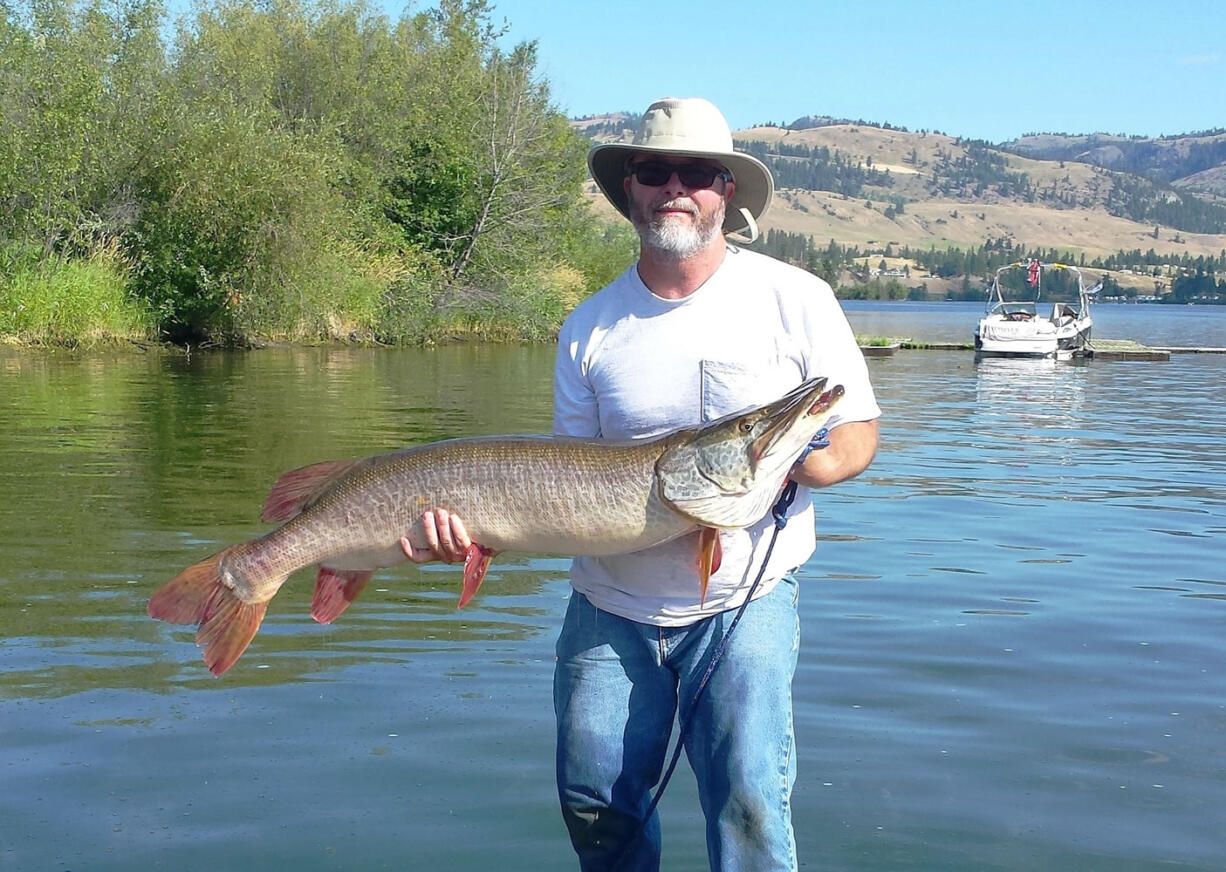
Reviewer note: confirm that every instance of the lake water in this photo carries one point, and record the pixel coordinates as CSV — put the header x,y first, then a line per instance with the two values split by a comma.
x,y
1161,325
1013,647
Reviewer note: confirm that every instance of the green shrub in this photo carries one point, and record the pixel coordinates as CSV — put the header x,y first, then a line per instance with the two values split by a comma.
x,y
65,301
410,311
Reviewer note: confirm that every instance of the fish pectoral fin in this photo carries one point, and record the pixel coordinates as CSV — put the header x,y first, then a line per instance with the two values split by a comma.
x,y
710,555
476,562
291,492
335,589
197,595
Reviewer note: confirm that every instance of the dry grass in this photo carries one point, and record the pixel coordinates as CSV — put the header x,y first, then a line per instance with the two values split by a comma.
x,y
962,224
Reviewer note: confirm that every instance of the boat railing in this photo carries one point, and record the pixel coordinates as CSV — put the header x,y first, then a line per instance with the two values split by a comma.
x,y
998,304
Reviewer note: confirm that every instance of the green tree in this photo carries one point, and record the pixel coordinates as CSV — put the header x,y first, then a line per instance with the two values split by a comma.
x,y
296,167
79,95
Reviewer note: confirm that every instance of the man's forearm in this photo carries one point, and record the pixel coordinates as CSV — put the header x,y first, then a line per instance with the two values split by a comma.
x,y
851,449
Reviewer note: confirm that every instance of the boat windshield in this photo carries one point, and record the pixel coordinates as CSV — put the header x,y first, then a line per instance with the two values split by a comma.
x,y
1013,310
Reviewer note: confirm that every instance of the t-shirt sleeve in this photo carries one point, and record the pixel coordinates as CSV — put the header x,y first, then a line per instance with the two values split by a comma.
x,y
575,412
836,355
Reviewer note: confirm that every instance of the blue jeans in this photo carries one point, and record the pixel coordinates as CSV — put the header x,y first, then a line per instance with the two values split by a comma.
x,y
617,687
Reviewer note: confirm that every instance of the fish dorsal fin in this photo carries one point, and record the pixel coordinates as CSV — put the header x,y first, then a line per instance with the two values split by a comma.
x,y
293,490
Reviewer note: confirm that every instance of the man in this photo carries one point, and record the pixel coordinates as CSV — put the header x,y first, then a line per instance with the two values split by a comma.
x,y
696,329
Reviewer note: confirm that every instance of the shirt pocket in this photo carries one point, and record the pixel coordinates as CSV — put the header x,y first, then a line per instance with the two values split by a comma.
x,y
733,386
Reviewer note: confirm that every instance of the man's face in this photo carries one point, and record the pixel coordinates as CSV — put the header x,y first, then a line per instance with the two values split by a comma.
x,y
672,217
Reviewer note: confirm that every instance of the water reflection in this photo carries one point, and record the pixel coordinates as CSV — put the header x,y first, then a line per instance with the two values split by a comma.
x,y
121,469
1044,387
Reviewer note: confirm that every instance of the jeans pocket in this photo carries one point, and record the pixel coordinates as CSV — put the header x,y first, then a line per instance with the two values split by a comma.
x,y
790,578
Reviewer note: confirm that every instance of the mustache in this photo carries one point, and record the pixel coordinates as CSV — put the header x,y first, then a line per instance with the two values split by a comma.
x,y
683,205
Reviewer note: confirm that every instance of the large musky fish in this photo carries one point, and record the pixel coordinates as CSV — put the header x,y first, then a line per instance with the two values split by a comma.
x,y
515,493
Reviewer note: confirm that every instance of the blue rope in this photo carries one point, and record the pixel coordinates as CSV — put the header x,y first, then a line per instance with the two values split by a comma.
x,y
821,439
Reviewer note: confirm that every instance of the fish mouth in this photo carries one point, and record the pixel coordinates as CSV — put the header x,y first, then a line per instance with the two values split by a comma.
x,y
809,400
826,400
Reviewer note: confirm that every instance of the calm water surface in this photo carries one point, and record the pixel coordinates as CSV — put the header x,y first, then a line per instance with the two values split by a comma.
x,y
1013,650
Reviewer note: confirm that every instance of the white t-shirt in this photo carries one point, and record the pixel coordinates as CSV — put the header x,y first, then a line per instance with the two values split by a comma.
x,y
633,365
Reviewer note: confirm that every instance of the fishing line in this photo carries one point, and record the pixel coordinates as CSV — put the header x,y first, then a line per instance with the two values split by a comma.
x,y
779,513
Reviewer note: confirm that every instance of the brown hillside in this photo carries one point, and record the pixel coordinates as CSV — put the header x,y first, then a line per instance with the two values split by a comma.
x,y
1212,180
930,221
933,221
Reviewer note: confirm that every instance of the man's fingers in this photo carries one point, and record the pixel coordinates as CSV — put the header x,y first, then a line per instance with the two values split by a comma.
x,y
459,535
446,539
443,537
432,549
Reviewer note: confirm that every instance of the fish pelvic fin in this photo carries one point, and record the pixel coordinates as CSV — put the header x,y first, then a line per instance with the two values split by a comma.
x,y
476,562
335,589
710,555
292,492
198,595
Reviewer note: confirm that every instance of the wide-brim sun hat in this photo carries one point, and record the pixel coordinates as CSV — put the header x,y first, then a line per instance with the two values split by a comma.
x,y
688,127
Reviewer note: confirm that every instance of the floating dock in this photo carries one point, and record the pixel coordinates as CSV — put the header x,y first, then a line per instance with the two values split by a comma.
x,y
1185,349
1125,349
1100,349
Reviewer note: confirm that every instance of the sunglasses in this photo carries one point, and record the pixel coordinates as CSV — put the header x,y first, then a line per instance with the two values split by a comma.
x,y
654,173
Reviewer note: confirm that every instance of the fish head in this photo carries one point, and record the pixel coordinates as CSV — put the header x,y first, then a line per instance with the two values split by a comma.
x,y
728,472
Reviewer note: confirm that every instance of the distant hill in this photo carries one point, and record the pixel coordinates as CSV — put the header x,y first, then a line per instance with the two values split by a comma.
x,y
609,127
873,186
1193,161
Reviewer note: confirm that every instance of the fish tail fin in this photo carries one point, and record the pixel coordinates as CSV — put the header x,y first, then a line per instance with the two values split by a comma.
x,y
184,599
197,595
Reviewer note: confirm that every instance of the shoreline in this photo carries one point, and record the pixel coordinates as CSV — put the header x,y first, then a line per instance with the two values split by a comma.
x,y
870,346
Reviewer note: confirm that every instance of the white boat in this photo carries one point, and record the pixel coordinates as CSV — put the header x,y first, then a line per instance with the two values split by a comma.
x,y
1014,328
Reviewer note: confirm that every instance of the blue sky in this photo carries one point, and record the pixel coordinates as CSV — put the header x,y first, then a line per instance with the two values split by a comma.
x,y
986,70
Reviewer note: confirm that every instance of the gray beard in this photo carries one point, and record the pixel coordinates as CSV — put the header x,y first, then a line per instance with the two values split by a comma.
x,y
677,240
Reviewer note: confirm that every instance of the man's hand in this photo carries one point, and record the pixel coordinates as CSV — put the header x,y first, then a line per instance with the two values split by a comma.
x,y
445,539
851,449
